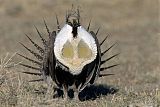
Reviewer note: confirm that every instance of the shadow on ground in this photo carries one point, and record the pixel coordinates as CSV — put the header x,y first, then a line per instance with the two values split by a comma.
x,y
96,91
90,93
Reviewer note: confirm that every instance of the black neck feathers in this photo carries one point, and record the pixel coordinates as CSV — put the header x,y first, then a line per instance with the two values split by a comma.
x,y
74,32
74,28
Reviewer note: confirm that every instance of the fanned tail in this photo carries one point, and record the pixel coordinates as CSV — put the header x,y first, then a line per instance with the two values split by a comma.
x,y
108,59
40,55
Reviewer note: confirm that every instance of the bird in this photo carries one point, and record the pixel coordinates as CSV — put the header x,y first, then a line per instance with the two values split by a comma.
x,y
71,56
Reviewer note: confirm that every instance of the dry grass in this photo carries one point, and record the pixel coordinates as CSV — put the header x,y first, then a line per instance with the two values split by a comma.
x,y
134,24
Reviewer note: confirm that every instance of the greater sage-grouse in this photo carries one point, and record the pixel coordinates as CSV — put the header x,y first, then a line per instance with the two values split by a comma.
x,y
71,56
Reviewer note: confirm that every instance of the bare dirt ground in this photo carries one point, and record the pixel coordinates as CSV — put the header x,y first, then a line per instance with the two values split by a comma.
x,y
133,24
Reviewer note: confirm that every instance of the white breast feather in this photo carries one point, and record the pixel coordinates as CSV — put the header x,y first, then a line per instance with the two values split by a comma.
x,y
66,34
87,37
61,39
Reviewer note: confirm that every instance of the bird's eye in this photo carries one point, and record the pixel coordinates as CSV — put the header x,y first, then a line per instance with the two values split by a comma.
x,y
67,50
83,50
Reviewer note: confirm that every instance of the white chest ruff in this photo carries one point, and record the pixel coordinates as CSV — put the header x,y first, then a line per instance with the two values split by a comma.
x,y
80,51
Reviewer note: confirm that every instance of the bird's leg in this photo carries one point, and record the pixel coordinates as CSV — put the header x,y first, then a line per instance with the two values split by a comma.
x,y
49,88
65,92
76,91
56,93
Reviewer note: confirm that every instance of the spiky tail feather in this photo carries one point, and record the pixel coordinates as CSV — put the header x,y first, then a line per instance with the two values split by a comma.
x,y
29,59
41,51
39,57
